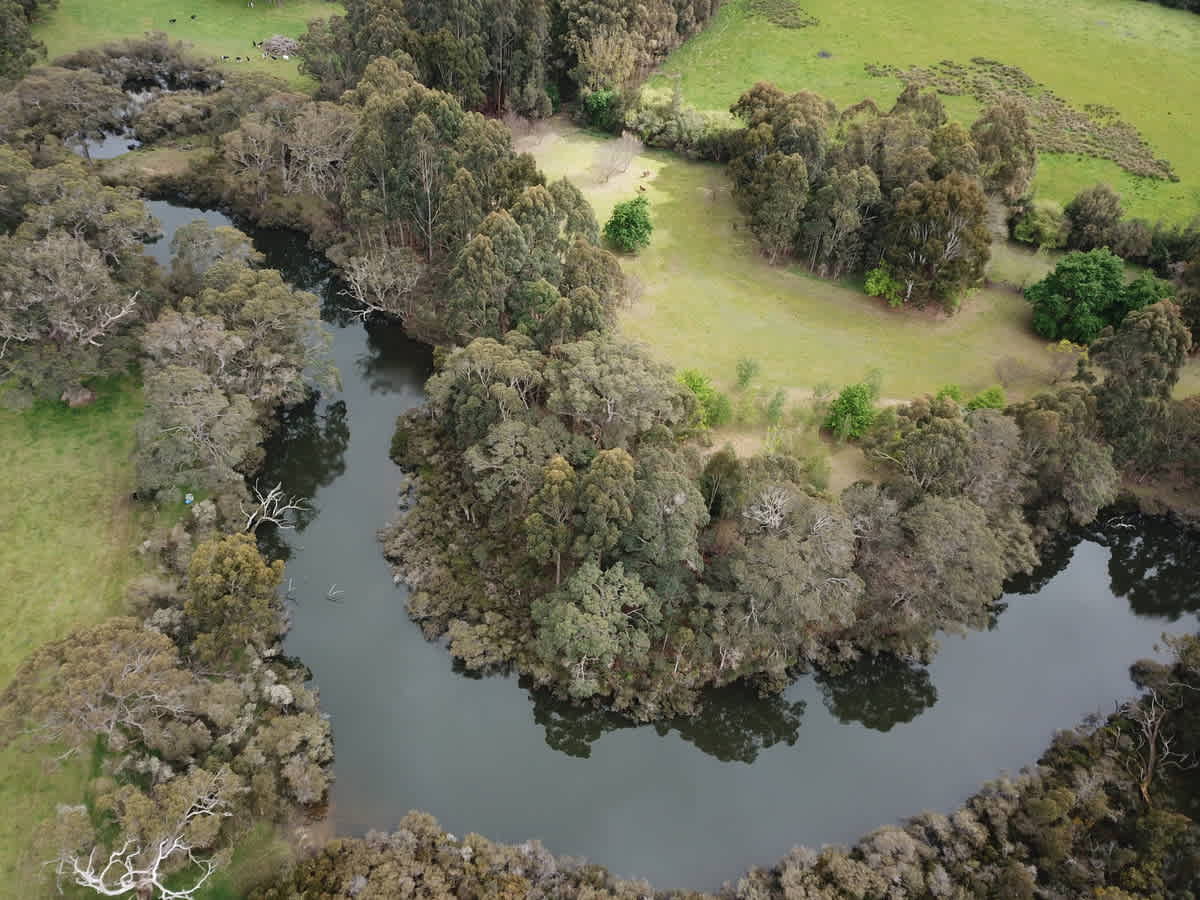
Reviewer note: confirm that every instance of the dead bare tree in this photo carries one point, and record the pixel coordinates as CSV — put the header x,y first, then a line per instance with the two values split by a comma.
x,y
615,157
274,507
1151,748
141,868
770,509
384,280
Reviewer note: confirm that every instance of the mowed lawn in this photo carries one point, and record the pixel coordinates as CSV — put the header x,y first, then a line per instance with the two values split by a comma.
x,y
66,529
1139,58
221,27
708,298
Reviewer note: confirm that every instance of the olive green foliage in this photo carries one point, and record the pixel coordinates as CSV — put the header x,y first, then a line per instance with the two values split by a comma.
x,y
852,411
836,189
1141,361
504,54
629,227
747,371
419,852
714,407
232,600
75,280
603,109
238,345
1087,292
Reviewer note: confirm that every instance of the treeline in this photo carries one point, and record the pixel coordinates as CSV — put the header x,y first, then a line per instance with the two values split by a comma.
x,y
518,55
196,726
565,526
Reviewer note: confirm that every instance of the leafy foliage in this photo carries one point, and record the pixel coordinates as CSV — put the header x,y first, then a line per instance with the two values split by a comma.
x,y
1085,293
852,412
629,227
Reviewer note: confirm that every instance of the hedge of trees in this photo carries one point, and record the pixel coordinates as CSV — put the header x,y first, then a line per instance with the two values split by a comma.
x,y
515,55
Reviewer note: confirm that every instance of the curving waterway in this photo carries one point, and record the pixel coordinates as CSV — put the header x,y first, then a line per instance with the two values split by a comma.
x,y
688,804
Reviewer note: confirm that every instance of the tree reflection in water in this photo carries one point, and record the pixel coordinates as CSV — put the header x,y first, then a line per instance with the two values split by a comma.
x,y
735,724
1153,563
306,452
878,691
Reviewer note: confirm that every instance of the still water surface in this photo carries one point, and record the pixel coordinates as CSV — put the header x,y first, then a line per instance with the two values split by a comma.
x,y
691,803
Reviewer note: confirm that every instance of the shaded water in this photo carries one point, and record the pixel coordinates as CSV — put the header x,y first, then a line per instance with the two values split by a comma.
x,y
691,803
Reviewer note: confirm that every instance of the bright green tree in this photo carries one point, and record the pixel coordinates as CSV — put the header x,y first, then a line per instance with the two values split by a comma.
x,y
629,227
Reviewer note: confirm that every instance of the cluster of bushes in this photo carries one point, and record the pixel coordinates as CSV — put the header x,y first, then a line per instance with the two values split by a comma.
x,y
1095,221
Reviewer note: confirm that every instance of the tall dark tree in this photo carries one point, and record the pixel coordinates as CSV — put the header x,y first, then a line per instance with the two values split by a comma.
x,y
1141,361
937,242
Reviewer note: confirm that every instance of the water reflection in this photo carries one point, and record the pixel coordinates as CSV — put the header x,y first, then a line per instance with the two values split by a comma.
x,y
1153,564
735,725
878,692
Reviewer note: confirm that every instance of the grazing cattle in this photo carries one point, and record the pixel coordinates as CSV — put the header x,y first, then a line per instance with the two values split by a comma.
x,y
170,21
193,15
225,58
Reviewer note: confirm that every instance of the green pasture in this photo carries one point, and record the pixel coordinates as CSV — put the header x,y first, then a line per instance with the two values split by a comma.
x,y
221,27
68,526
1139,58
705,297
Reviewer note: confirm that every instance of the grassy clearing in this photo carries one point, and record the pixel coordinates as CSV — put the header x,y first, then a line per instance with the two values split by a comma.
x,y
68,526
708,298
1139,58
221,27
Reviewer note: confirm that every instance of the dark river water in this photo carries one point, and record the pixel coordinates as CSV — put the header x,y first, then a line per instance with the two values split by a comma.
x,y
690,803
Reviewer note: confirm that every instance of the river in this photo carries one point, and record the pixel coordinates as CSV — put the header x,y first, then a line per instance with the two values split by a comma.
x,y
687,804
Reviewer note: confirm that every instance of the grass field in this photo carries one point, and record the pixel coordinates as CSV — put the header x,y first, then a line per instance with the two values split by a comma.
x,y
221,27
66,529
708,298
1139,58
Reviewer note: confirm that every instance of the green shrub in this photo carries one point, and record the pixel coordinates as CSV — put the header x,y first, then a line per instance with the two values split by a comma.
x,y
775,407
715,408
1044,225
852,413
747,371
953,391
1087,292
992,398
602,109
880,283
629,227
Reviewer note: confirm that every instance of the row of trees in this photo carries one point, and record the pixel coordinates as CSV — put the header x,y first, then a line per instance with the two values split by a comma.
x,y
904,190
501,54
